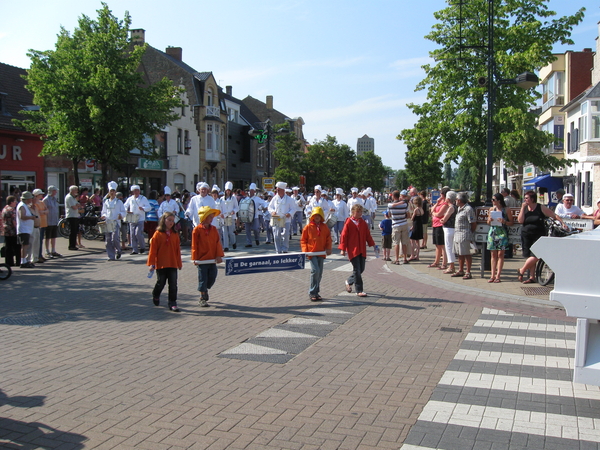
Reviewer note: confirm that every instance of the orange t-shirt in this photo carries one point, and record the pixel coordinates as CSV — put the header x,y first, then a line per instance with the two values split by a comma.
x,y
165,253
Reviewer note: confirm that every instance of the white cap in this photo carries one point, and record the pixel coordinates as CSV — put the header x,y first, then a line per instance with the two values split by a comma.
x,y
252,187
339,191
288,191
229,185
367,191
325,193
112,185
354,189
215,188
281,185
567,195
134,187
201,185
270,194
167,190
295,188
37,192
318,187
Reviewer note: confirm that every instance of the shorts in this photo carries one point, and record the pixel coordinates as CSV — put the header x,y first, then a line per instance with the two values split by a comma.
x,y
23,238
51,231
438,235
462,248
527,240
400,235
386,241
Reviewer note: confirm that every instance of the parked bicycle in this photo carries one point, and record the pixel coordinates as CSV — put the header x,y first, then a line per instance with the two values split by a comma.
x,y
88,225
5,272
543,273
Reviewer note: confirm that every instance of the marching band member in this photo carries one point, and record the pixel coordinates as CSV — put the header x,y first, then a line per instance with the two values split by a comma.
x,y
218,220
202,199
355,199
282,208
267,216
168,204
253,227
138,205
371,205
112,213
316,200
229,208
342,213
300,204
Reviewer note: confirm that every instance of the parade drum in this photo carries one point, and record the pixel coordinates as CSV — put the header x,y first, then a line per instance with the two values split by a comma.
x,y
228,221
331,220
246,212
132,218
278,221
106,227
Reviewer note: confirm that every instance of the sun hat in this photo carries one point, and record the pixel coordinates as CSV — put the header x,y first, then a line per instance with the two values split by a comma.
x,y
205,211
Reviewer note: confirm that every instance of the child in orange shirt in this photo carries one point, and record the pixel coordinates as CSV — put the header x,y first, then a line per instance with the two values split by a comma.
x,y
165,257
206,245
316,237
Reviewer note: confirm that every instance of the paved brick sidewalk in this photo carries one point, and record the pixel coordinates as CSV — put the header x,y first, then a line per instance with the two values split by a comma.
x,y
88,362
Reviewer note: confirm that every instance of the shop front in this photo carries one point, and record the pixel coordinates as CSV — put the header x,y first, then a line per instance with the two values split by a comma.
x,y
21,167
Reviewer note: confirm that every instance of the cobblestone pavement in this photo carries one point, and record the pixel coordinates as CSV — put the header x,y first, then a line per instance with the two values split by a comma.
x,y
424,362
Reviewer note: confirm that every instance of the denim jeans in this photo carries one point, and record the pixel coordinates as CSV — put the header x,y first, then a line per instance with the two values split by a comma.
x,y
207,275
316,273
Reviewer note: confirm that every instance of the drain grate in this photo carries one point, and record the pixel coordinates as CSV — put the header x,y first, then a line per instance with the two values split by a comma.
x,y
34,319
451,330
536,290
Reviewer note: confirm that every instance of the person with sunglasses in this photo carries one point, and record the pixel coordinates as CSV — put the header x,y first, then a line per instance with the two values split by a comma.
x,y
567,209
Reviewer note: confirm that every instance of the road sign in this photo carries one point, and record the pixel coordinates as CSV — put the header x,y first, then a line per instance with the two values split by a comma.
x,y
268,183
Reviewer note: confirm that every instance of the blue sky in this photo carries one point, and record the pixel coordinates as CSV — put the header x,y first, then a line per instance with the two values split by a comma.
x,y
348,68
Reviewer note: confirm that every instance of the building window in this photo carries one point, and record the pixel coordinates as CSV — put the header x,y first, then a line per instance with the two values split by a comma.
x,y
182,109
209,97
187,142
179,143
209,137
595,112
160,143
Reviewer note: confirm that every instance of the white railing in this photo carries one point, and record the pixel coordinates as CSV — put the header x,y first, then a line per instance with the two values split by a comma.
x,y
214,111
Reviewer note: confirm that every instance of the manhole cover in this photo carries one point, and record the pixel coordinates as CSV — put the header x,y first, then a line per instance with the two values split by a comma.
x,y
537,290
34,318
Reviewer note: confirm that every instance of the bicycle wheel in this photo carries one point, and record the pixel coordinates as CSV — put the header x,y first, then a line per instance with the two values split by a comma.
x,y
5,272
64,229
543,273
91,232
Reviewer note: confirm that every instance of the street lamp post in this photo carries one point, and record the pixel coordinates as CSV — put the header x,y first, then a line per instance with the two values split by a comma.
x,y
526,80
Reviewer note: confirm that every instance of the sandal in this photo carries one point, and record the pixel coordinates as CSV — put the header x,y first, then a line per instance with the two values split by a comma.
x,y
497,280
449,271
432,265
396,262
529,281
492,280
362,294
348,287
520,275
442,267
314,298
458,274
467,276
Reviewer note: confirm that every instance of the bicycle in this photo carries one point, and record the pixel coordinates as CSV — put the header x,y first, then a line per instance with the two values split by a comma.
x,y
543,273
5,272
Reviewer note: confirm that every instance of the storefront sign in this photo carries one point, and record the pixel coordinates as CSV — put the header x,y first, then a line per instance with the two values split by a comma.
x,y
148,164
14,154
481,232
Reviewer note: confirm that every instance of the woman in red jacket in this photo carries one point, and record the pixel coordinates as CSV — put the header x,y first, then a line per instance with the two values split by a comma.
x,y
354,240
165,257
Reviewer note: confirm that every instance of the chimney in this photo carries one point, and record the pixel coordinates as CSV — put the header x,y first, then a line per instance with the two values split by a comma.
x,y
269,102
138,36
228,90
175,52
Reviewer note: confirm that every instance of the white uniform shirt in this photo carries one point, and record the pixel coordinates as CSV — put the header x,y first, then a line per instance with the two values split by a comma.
x,y
229,206
341,208
322,202
168,206
282,206
133,205
196,202
112,209
353,201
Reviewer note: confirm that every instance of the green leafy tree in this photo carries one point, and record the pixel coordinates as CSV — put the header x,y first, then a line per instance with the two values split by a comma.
x,y
330,164
370,171
423,169
288,152
401,180
93,103
452,122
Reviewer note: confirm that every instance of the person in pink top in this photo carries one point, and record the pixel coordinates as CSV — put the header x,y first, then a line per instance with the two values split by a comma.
x,y
353,241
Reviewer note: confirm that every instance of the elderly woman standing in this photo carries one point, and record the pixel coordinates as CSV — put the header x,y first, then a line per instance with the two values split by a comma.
x,y
532,217
465,225
448,226
438,211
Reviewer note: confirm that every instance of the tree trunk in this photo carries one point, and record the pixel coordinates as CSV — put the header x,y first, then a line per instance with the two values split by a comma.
x,y
76,170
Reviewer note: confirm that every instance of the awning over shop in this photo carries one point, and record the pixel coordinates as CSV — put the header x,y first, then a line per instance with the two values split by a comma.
x,y
545,181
